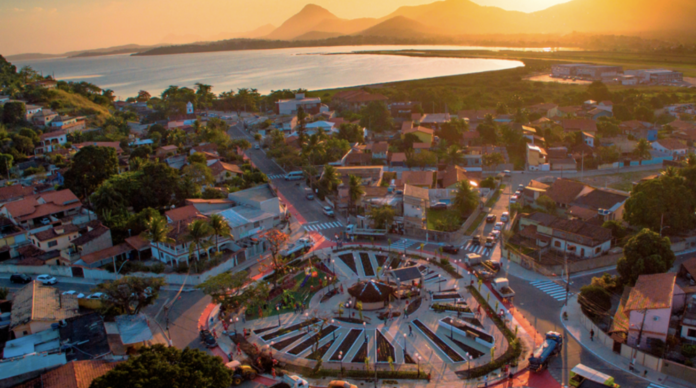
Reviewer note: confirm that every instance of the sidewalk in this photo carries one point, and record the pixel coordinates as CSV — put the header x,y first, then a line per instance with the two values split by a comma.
x,y
582,335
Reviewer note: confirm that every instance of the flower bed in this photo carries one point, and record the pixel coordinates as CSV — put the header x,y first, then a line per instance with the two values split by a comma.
x,y
367,264
346,344
445,264
413,306
361,354
396,261
265,329
292,328
385,315
452,295
312,340
449,307
319,353
349,320
286,342
384,349
350,261
330,294
453,355
408,359
471,331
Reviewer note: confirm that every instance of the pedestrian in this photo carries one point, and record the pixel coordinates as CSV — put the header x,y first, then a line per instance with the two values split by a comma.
x,y
244,317
231,356
245,332
510,376
591,334
645,373
485,381
410,330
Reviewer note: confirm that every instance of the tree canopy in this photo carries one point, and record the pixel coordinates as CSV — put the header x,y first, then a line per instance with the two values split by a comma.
x,y
129,295
91,166
644,254
666,201
167,367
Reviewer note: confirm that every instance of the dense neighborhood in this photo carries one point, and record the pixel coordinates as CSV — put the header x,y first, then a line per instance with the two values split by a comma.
x,y
313,221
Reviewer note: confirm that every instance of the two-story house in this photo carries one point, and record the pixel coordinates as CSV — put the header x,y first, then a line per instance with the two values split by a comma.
x,y
69,124
49,141
44,117
42,211
58,238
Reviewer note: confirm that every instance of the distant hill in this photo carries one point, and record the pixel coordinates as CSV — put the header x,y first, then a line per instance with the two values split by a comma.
x,y
124,49
313,18
317,35
253,34
401,27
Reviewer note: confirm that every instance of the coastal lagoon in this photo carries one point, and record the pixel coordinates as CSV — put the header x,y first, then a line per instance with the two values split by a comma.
x,y
264,70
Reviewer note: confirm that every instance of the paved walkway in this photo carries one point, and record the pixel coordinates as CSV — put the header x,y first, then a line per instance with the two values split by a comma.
x,y
582,335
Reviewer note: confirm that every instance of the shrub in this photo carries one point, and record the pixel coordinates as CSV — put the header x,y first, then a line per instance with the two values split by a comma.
x,y
688,350
488,183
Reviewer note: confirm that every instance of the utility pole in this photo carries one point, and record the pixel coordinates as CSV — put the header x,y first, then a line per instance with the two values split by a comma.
x,y
565,256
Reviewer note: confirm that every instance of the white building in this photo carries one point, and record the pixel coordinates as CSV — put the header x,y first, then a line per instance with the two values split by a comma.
x,y
49,141
290,107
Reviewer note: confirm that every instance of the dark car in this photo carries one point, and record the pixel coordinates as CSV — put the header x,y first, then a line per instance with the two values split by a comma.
x,y
493,265
450,249
208,339
476,240
20,278
490,218
439,206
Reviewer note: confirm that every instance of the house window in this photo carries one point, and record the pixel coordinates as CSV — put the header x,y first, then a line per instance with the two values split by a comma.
x,y
52,243
598,249
691,333
557,244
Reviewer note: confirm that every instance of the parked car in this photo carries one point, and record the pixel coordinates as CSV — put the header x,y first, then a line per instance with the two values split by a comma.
x,y
495,234
505,217
96,295
20,278
520,187
79,295
513,199
490,241
257,147
476,240
47,279
499,226
310,196
450,249
507,172
439,206
490,218
493,265
208,339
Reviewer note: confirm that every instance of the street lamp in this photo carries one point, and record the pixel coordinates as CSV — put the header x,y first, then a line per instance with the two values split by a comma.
x,y
452,328
439,285
418,359
270,352
405,343
333,332
278,310
365,331
468,358
340,360
236,319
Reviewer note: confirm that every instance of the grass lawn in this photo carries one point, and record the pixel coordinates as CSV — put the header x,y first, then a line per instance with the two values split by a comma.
x,y
300,294
435,215
621,181
495,197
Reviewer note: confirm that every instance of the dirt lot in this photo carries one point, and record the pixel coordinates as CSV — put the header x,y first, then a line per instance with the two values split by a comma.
x,y
622,181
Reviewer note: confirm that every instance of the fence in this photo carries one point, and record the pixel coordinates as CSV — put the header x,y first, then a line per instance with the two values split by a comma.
x,y
661,365
554,270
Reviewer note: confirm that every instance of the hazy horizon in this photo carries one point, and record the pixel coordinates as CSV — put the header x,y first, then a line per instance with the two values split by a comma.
x,y
54,27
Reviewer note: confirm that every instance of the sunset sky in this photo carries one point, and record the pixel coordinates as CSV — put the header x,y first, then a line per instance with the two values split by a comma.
x,y
57,26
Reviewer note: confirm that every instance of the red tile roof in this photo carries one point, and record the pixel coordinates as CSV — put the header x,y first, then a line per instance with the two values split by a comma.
x,y
565,190
406,125
652,292
137,242
14,192
418,178
181,213
41,205
219,167
106,253
210,147
51,135
671,144
584,125
418,129
451,176
398,157
380,147
56,232
76,374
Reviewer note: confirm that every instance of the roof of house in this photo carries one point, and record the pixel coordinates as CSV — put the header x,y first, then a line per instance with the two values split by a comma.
x,y
8,193
530,232
36,302
671,144
557,152
681,125
76,374
361,158
43,204
95,230
380,147
537,185
582,213
570,109
416,192
544,106
584,125
56,232
88,334
652,292
137,242
634,125
418,178
690,266
476,114
181,228
107,253
432,118
406,125
540,218
451,176
168,148
565,190
398,157
210,147
134,329
417,129
600,199
372,173
51,135
581,229
181,213
110,144
375,191
219,167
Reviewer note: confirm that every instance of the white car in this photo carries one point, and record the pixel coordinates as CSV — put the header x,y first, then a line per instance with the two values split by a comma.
x,y
47,279
328,211
505,217
513,199
79,295
257,147
96,295
507,172
498,226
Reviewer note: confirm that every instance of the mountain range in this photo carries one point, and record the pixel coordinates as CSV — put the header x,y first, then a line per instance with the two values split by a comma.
x,y
464,17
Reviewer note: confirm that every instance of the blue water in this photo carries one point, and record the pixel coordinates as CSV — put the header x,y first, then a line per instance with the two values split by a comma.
x,y
264,70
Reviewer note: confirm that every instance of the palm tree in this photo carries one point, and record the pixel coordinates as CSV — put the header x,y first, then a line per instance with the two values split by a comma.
x,y
642,150
220,228
453,156
466,199
198,233
671,172
158,231
355,190
330,179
